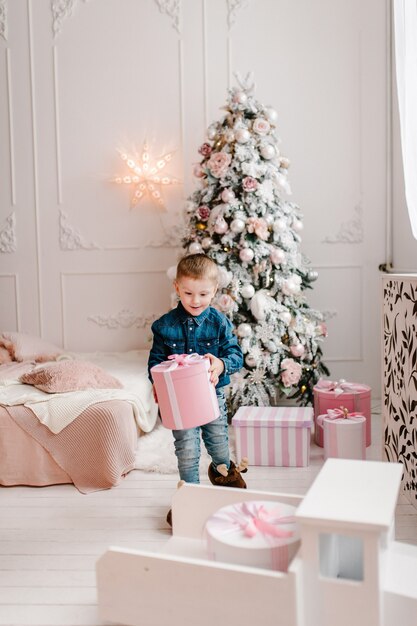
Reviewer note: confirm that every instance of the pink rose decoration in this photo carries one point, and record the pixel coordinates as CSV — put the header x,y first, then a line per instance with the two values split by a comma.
x,y
225,303
291,372
261,126
203,212
321,329
205,149
258,226
249,183
218,164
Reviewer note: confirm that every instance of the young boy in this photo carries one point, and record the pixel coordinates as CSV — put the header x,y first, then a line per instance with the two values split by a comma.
x,y
195,326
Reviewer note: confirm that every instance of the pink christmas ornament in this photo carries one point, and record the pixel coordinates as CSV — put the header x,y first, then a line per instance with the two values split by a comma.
x,y
277,256
220,227
195,248
228,195
297,350
246,254
198,171
240,97
206,243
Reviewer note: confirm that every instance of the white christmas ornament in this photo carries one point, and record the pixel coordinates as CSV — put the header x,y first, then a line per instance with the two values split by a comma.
x,y
242,135
279,225
220,227
244,330
195,248
285,316
297,225
237,226
277,256
261,304
270,345
240,97
247,291
172,272
268,151
206,243
246,254
271,114
211,132
292,285
228,195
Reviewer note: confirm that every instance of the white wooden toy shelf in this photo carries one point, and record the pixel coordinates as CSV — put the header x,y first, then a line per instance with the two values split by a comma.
x,y
348,570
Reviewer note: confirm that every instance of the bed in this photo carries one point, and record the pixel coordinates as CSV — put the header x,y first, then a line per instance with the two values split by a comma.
x,y
85,433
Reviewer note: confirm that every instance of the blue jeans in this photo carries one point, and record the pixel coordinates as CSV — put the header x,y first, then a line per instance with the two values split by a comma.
x,y
216,439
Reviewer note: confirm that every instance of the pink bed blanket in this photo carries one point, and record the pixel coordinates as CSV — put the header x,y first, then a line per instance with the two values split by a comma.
x,y
96,450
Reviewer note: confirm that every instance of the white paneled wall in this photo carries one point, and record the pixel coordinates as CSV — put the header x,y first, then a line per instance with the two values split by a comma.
x,y
81,79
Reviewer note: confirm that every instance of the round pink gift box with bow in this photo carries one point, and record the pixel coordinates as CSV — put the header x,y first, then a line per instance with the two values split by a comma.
x,y
255,533
344,434
186,397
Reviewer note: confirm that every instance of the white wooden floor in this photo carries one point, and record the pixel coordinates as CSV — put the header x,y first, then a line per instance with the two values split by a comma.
x,y
51,537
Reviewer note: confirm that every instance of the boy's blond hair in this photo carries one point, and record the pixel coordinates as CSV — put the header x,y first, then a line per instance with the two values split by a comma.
x,y
197,266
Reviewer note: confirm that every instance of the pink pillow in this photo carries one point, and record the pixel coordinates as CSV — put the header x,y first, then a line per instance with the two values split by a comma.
x,y
24,347
70,376
4,356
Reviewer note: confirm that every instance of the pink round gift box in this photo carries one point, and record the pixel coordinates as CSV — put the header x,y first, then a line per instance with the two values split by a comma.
x,y
228,541
186,397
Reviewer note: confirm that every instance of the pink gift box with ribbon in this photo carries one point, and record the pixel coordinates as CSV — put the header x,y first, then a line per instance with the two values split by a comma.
x,y
273,436
186,397
329,394
344,434
254,533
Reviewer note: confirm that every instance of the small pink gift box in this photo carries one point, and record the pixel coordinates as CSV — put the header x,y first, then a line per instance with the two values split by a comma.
x,y
344,434
329,394
186,397
254,533
273,436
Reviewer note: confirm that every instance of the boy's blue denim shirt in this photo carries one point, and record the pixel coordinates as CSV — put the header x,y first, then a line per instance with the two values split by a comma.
x,y
178,332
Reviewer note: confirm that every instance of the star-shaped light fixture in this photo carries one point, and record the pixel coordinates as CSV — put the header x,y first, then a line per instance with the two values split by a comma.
x,y
145,177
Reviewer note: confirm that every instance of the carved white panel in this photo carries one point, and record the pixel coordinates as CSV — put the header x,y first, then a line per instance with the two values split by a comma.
x,y
172,8
8,240
233,8
9,302
70,238
350,231
61,10
112,311
3,19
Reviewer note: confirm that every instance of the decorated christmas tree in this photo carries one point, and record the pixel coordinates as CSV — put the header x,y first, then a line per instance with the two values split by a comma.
x,y
241,217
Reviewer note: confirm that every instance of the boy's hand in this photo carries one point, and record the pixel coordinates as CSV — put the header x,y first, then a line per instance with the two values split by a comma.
x,y
154,394
215,369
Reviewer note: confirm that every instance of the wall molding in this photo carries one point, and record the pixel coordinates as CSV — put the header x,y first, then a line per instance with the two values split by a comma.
x,y
171,8
233,8
8,239
70,238
3,20
62,10
125,319
15,279
350,231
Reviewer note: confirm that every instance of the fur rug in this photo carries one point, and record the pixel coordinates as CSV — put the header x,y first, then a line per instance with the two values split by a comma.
x,y
155,453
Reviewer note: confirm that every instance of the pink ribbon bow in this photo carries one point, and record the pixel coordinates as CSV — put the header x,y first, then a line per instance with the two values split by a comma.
x,y
251,519
179,360
341,386
337,414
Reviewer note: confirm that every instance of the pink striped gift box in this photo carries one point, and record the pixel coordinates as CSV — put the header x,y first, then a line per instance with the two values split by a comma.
x,y
273,436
